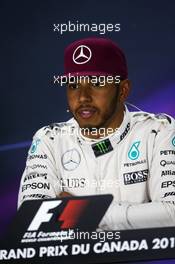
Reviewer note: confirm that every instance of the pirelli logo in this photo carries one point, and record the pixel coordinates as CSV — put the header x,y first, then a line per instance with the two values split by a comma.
x,y
135,177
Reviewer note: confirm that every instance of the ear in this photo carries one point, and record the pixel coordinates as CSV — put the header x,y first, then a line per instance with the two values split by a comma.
x,y
125,86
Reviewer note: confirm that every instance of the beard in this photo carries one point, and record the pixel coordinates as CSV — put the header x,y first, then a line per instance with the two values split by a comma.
x,y
105,117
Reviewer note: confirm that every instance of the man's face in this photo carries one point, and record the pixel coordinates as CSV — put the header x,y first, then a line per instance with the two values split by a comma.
x,y
92,105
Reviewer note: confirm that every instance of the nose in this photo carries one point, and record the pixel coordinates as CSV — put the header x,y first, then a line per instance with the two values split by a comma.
x,y
84,95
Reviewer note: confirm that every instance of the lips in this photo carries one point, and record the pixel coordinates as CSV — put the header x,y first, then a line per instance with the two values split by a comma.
x,y
87,112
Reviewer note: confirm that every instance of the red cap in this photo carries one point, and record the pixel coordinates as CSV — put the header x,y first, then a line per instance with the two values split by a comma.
x,y
95,56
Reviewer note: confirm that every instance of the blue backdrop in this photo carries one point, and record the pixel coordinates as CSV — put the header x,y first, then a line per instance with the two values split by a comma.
x,y
32,53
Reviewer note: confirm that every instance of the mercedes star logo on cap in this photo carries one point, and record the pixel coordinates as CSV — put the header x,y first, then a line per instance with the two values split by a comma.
x,y
82,54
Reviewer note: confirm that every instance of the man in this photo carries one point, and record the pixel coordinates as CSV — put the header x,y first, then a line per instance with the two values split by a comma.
x,y
105,148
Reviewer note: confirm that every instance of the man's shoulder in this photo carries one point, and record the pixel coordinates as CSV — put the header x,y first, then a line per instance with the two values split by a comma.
x,y
160,120
54,129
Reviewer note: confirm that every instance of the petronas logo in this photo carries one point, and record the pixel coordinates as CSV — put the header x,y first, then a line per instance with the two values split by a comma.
x,y
102,147
173,141
34,145
134,152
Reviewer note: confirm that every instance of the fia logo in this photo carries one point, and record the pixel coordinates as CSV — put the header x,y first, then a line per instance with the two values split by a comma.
x,y
134,152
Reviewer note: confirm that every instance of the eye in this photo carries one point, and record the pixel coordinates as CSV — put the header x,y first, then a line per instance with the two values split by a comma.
x,y
73,86
96,84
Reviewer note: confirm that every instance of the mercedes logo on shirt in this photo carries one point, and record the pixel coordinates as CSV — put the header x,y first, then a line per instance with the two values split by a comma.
x,y
82,54
71,159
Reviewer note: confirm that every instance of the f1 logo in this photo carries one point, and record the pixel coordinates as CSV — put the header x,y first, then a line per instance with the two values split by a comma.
x,y
68,218
42,215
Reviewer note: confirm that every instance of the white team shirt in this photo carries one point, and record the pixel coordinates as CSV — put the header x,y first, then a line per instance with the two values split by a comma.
x,y
136,164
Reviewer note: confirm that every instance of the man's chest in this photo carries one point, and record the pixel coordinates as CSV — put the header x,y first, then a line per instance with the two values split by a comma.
x,y
123,171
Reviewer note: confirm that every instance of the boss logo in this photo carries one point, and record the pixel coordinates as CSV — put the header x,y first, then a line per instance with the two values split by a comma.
x,y
135,177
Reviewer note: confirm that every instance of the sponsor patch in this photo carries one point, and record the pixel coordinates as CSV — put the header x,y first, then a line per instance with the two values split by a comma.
x,y
135,177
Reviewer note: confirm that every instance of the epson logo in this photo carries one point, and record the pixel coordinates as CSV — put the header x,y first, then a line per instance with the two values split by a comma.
x,y
166,184
36,185
135,177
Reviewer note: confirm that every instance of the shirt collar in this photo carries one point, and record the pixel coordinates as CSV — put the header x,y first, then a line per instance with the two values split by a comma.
x,y
114,138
